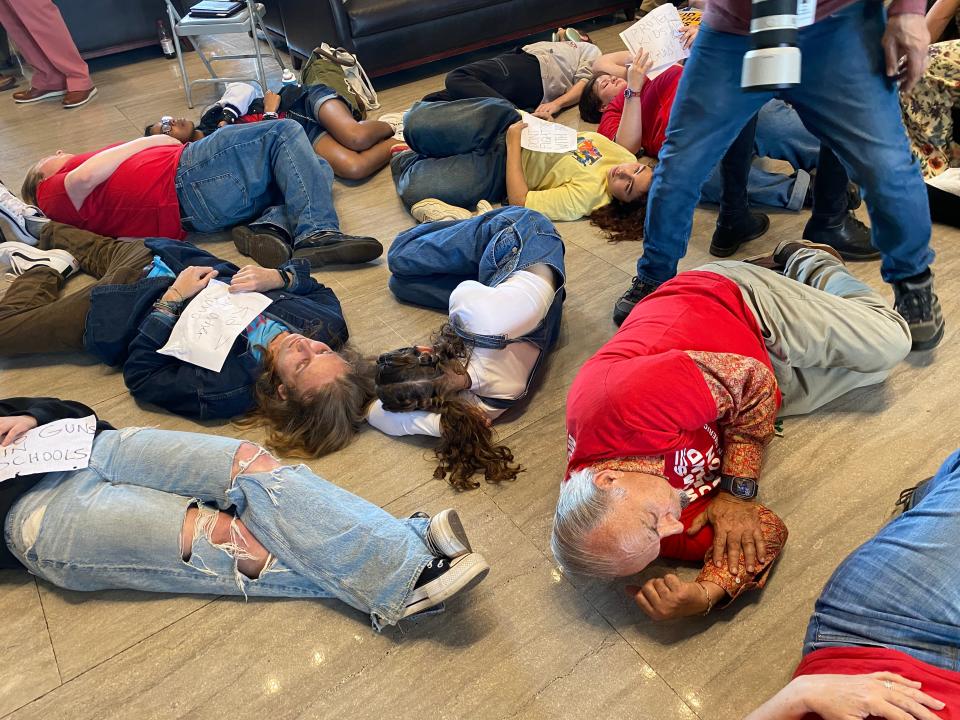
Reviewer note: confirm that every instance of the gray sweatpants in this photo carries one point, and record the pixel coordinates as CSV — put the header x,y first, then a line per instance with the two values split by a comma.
x,y
827,333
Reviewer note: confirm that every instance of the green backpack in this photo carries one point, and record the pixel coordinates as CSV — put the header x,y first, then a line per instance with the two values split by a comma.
x,y
321,70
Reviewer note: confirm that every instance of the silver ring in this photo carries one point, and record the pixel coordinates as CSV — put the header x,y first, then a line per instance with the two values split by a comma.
x,y
888,685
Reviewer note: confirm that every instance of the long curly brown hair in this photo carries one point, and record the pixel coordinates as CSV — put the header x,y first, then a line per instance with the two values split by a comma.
x,y
409,379
621,220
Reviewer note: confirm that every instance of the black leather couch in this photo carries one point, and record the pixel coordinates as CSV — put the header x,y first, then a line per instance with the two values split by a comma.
x,y
391,35
102,27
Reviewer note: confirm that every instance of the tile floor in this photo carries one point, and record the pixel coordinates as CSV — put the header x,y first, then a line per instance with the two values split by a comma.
x,y
528,642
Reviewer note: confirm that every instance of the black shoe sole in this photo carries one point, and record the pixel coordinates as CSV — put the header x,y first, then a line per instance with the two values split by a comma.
x,y
344,252
268,250
723,251
928,344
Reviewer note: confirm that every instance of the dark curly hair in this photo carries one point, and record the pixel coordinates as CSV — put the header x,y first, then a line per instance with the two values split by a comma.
x,y
590,104
621,220
409,380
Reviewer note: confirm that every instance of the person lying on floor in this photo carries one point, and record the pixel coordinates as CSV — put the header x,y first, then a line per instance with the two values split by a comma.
x,y
265,174
355,149
466,151
542,77
634,111
668,421
289,367
246,524
500,276
882,640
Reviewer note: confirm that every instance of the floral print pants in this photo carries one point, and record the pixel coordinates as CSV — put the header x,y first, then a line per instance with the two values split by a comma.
x,y
928,111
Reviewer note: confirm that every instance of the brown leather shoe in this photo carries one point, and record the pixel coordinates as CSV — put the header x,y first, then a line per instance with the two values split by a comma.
x,y
76,98
33,95
7,82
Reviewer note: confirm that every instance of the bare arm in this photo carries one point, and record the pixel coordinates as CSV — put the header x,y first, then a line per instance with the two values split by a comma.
x,y
613,64
83,179
630,132
516,182
939,16
548,110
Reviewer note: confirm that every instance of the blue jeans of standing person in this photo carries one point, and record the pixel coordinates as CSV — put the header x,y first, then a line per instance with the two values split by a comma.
x,y
117,524
459,152
899,590
845,100
262,173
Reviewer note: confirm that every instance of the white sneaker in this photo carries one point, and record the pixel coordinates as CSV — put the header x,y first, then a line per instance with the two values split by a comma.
x,y
483,207
22,257
16,213
394,120
443,578
433,210
446,536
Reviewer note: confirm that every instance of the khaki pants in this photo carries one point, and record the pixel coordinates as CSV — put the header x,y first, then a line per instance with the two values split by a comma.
x,y
33,316
827,333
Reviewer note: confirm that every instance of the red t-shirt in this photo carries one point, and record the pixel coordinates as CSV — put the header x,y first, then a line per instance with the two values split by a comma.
x,y
656,102
642,395
138,200
943,685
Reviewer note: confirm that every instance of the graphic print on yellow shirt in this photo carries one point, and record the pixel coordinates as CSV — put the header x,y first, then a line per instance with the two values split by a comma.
x,y
587,153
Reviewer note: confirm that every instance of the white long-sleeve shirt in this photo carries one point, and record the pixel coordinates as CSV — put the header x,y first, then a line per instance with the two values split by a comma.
x,y
513,308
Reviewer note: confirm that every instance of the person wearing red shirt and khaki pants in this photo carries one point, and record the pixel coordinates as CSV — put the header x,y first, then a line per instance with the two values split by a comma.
x,y
36,27
668,421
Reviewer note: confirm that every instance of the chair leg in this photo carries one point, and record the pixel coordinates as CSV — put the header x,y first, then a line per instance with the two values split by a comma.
x,y
273,48
176,44
261,75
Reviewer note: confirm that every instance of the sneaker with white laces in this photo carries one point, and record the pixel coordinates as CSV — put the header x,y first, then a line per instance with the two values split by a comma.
x,y
22,257
483,207
433,210
445,535
394,120
443,578
17,214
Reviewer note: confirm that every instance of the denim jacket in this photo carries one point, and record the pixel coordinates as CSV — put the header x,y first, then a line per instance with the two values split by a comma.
x,y
124,331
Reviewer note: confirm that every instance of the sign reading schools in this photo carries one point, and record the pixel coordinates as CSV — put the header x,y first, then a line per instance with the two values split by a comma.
x,y
60,445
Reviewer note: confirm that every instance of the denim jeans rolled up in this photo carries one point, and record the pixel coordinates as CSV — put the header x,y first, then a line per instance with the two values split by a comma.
x,y
459,152
257,173
117,524
845,100
899,590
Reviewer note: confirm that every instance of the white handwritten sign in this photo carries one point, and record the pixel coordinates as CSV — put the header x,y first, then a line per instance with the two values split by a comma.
x,y
211,322
549,137
60,445
657,33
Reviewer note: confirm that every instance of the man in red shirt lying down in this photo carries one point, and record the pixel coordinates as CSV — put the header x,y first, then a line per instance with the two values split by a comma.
x,y
668,421
883,639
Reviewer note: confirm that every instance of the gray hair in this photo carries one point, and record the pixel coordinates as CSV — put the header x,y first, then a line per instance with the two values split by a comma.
x,y
580,509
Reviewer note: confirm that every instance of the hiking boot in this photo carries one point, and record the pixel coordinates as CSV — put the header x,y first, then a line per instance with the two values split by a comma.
x,y
639,289
918,304
17,214
847,235
443,578
22,257
332,247
265,244
445,535
731,233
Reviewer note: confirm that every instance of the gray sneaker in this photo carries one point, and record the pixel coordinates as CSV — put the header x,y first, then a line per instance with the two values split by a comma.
x,y
918,304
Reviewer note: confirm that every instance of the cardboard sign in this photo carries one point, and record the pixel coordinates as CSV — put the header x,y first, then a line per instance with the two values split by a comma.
x,y
210,323
548,137
60,445
657,33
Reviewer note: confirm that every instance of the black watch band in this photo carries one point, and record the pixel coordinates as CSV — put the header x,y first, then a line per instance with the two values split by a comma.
x,y
742,488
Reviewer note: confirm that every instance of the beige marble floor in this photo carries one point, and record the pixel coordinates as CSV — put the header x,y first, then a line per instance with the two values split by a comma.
x,y
528,642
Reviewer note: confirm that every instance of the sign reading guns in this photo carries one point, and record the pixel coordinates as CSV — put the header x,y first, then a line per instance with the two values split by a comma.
x,y
60,445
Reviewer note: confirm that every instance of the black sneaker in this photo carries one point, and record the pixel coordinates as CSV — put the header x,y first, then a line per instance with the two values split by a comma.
x,y
443,578
331,247
847,235
731,233
918,304
266,245
637,292
446,536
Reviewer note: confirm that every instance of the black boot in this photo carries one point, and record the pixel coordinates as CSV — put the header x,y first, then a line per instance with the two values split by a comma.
x,y
731,233
332,247
846,234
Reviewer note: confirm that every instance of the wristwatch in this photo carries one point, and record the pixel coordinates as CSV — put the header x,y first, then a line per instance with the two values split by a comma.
x,y
628,93
742,488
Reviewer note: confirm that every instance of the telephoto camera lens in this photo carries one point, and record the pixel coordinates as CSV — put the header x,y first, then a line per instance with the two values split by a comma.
x,y
774,61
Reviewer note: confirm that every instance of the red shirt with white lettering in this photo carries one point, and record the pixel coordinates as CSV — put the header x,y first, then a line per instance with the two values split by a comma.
x,y
943,685
656,102
138,200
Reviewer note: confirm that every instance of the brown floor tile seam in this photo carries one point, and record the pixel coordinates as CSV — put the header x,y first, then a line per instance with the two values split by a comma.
x,y
64,683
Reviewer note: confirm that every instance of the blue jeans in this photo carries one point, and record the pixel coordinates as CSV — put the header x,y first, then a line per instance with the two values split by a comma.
x,y
899,590
780,135
459,152
117,524
845,100
258,173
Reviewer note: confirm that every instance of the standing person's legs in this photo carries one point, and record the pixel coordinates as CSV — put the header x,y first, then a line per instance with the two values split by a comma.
x,y
513,76
827,333
41,34
899,590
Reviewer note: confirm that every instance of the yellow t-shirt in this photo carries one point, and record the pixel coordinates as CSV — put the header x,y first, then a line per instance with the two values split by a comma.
x,y
569,186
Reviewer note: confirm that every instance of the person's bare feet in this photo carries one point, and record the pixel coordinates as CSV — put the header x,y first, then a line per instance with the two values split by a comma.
x,y
7,82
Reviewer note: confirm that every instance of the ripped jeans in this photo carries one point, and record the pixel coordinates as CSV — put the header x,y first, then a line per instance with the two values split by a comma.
x,y
118,523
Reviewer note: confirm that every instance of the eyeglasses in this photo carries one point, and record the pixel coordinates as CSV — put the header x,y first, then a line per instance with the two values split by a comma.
x,y
166,124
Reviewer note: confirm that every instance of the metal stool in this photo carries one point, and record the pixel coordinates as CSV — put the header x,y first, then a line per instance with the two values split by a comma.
x,y
249,20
